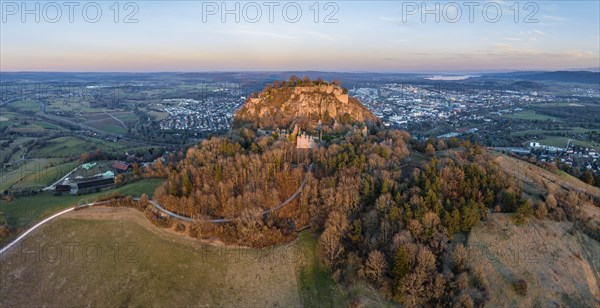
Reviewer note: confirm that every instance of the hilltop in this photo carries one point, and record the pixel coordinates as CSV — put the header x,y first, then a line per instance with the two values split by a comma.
x,y
303,102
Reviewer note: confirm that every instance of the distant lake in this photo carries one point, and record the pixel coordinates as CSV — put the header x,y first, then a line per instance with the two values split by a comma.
x,y
449,78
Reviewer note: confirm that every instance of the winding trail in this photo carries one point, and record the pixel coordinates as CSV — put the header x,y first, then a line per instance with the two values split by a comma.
x,y
223,220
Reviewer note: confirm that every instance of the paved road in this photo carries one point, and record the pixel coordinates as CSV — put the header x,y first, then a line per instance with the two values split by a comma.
x,y
223,220
33,228
39,224
53,186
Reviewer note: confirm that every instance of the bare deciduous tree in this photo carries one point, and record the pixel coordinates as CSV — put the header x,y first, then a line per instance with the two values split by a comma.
x,y
375,266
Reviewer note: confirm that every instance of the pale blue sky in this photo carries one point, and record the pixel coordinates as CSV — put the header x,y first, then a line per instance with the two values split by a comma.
x,y
369,36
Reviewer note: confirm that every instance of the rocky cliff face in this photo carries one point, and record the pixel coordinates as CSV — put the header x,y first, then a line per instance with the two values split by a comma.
x,y
306,105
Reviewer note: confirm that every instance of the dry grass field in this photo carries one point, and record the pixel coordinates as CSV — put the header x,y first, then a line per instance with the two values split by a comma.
x,y
559,264
535,176
116,257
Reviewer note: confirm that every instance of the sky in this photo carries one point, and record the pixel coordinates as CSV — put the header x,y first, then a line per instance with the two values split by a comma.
x,y
348,36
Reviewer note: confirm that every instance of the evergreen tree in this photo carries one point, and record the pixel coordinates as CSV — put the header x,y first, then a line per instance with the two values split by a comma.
x,y
470,216
401,266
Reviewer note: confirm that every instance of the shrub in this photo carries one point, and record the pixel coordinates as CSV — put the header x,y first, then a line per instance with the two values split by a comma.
x,y
180,227
520,287
459,258
523,213
541,211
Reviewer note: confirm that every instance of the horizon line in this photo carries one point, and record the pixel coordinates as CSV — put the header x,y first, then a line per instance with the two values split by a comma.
x,y
483,71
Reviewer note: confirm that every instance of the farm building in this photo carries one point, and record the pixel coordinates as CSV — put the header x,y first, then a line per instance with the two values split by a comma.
x,y
63,188
122,167
96,183
86,185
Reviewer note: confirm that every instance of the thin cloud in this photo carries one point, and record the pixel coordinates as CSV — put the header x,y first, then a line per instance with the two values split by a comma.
x,y
254,33
396,21
554,18
317,34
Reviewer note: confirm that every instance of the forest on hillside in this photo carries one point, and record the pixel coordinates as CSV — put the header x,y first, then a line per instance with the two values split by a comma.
x,y
384,217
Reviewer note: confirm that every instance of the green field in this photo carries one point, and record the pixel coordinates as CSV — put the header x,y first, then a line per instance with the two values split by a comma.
x,y
45,177
561,142
10,118
315,285
110,127
70,106
17,143
25,211
71,146
529,115
6,123
574,130
27,105
47,125
23,123
34,127
127,117
30,169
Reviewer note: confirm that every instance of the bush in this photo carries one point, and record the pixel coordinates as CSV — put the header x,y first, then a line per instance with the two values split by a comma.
x,y
523,213
180,227
459,258
520,287
541,211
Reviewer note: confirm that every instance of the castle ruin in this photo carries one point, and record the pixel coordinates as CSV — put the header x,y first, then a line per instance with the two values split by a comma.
x,y
304,141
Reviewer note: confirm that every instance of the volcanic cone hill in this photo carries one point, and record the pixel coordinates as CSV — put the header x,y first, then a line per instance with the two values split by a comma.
x,y
306,103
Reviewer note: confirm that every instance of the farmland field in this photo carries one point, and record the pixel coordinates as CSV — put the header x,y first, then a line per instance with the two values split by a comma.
x,y
46,176
561,142
19,144
25,169
36,127
529,115
109,126
573,130
126,116
47,125
71,146
110,121
27,105
24,211
70,106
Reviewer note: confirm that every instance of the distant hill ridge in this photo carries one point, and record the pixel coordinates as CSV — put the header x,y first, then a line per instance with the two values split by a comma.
x,y
562,76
